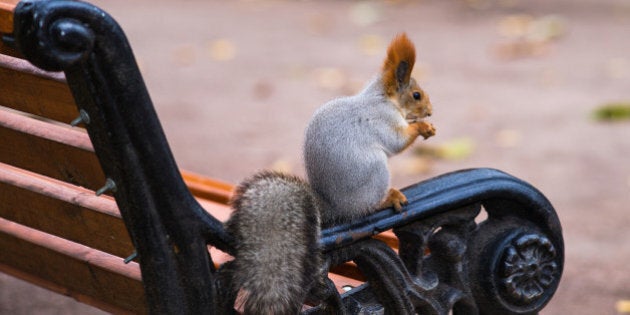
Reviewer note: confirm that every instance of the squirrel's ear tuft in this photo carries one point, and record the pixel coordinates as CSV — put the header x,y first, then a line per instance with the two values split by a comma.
x,y
401,56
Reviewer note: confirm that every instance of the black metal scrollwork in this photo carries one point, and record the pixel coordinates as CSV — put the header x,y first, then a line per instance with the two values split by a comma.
x,y
56,38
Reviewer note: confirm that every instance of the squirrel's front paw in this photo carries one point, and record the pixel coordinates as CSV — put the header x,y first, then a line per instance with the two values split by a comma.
x,y
394,199
425,129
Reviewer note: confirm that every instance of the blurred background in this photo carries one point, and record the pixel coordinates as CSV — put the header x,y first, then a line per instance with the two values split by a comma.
x,y
539,89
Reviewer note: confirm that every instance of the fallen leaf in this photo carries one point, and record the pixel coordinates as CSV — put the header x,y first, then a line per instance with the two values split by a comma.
x,y
477,4
298,71
222,50
614,111
455,149
185,55
263,90
330,78
372,44
320,24
546,28
514,25
364,13
520,48
282,166
487,4
508,138
412,165
541,29
550,77
528,36
623,306
618,68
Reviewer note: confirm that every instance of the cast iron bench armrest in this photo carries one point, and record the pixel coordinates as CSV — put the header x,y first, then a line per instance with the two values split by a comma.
x,y
508,261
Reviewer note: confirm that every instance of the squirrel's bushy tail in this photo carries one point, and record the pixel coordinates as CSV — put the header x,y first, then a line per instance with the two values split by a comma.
x,y
276,226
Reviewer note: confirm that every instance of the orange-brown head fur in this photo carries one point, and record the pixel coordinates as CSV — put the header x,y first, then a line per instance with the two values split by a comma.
x,y
401,56
397,81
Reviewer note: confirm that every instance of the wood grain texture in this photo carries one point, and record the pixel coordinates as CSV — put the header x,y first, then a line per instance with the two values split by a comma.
x,y
6,15
208,188
49,149
71,212
34,91
66,153
79,269
64,210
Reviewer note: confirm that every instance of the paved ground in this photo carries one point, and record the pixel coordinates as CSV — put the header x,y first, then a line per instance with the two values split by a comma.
x,y
513,85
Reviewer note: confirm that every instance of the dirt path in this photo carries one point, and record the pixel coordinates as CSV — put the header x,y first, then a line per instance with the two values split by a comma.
x,y
513,84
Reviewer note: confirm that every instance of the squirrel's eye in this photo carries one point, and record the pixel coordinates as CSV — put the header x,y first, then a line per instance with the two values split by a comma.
x,y
417,95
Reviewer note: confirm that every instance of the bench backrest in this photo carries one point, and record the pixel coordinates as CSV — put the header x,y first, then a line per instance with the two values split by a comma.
x,y
54,230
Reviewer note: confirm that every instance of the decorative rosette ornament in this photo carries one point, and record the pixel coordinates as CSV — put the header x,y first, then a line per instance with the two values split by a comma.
x,y
529,268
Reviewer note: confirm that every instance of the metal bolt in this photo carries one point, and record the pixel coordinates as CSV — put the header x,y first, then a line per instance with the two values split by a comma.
x,y
110,185
83,118
131,257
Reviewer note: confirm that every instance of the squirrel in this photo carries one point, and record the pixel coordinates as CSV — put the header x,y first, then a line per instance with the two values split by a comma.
x,y
277,218
349,139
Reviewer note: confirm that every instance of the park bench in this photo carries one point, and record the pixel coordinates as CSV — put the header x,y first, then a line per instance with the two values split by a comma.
x,y
77,201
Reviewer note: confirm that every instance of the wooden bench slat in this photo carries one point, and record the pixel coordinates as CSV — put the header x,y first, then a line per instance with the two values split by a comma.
x,y
71,212
28,89
64,210
73,266
49,149
208,188
6,15
389,238
90,276
66,153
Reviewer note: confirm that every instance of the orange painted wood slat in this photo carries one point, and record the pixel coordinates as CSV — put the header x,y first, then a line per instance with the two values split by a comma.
x,y
342,281
6,15
66,153
71,212
348,270
90,276
61,209
80,269
28,89
389,238
53,150
208,188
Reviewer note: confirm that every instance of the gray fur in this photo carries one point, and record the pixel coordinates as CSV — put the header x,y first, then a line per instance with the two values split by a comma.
x,y
347,144
276,225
